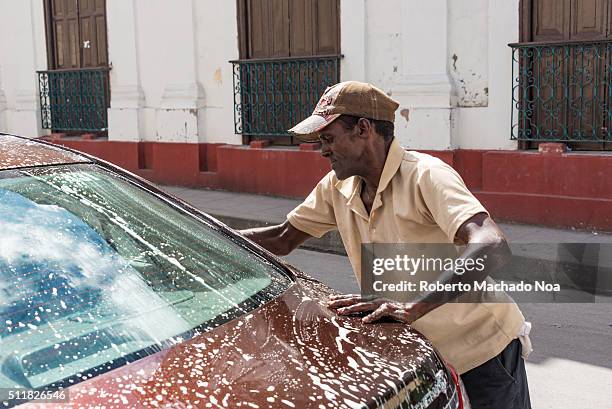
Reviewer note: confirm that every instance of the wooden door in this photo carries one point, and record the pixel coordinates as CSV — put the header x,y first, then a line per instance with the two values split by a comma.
x,y
76,43
64,34
92,25
573,85
314,28
280,29
551,22
76,34
588,82
289,28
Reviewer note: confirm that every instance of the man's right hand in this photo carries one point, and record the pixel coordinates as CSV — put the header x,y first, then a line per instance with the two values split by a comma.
x,y
378,308
281,239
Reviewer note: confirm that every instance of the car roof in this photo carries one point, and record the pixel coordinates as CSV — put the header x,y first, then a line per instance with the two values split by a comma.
x,y
20,152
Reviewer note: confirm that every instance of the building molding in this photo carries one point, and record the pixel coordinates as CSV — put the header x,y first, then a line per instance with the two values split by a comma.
x,y
26,100
425,90
424,73
127,96
183,96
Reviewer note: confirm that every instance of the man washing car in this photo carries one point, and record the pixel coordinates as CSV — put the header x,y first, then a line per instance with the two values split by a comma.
x,y
379,193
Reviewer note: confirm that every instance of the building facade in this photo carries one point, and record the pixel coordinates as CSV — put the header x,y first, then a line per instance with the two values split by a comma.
x,y
200,92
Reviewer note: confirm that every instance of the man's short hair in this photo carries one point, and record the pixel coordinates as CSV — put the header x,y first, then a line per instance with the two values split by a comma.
x,y
383,128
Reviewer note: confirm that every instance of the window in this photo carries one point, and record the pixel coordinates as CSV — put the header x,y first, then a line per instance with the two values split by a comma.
x,y
74,91
562,74
289,54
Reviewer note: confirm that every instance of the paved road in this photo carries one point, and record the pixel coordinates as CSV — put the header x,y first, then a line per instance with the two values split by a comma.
x,y
571,366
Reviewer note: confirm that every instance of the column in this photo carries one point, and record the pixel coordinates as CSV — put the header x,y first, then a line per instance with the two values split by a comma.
x,y
3,118
29,33
182,99
125,115
353,40
424,90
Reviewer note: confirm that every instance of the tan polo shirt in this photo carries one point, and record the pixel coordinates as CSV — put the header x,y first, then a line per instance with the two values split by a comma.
x,y
420,199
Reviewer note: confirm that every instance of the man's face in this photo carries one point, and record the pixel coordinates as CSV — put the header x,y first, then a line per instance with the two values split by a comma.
x,y
343,148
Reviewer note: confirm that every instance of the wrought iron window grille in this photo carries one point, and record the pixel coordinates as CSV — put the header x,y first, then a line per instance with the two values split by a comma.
x,y
272,95
74,99
562,91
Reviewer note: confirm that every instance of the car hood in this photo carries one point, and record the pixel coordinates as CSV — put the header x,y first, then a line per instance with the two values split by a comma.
x,y
19,152
293,352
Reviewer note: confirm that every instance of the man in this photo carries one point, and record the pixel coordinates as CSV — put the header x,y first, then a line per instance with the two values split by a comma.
x,y
379,193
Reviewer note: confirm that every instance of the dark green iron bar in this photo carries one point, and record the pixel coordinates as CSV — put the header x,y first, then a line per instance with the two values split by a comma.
x,y
562,92
74,100
272,95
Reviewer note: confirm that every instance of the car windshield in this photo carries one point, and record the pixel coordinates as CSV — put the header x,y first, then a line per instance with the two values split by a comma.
x,y
96,272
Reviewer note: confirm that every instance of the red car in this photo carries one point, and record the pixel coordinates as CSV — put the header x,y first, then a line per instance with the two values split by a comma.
x,y
115,294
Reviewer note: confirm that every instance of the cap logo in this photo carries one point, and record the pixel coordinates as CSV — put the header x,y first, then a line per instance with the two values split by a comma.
x,y
327,100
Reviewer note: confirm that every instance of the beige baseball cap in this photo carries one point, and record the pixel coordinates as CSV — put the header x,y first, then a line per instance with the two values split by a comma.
x,y
346,98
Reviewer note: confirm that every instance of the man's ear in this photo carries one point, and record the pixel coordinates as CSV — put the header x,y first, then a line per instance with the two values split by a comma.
x,y
365,127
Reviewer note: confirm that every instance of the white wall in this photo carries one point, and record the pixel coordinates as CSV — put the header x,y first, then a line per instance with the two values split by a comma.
x,y
468,39
401,47
126,121
489,127
3,103
353,40
179,73
166,38
446,61
217,44
22,53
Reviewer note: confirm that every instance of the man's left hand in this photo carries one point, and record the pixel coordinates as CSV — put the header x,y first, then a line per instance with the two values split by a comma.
x,y
380,308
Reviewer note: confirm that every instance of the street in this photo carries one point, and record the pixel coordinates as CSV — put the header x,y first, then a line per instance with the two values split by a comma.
x,y
571,366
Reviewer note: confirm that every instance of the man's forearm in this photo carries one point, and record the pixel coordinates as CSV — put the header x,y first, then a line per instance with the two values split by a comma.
x,y
484,241
268,237
281,239
496,256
